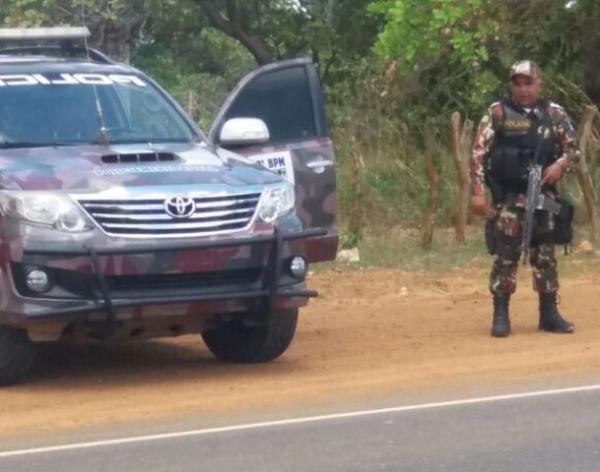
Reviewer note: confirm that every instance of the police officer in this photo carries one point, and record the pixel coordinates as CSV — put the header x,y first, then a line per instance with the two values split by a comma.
x,y
504,146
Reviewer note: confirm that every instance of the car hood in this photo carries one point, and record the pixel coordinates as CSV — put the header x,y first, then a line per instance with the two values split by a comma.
x,y
95,168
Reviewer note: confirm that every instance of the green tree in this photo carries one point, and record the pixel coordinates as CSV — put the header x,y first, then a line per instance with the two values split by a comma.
x,y
486,36
331,31
115,24
420,31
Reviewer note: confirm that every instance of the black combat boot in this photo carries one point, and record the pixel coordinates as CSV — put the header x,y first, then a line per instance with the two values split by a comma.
x,y
550,318
501,321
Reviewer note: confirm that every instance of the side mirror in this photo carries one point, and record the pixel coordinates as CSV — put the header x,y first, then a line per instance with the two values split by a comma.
x,y
240,131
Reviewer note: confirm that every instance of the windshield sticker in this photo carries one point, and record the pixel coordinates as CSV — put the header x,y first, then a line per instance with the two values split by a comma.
x,y
16,80
153,170
278,162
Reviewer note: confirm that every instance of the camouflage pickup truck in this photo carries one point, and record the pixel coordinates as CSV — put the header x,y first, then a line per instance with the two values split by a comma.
x,y
119,218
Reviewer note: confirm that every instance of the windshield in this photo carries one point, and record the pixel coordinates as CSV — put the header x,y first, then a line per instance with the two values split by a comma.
x,y
60,109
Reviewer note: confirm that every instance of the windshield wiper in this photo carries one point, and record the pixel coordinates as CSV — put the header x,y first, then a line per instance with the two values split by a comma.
x,y
152,141
34,144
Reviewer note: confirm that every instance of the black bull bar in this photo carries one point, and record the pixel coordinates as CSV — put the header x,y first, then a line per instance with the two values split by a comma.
x,y
269,289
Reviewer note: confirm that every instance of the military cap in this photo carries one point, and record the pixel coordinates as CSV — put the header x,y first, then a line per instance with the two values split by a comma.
x,y
527,68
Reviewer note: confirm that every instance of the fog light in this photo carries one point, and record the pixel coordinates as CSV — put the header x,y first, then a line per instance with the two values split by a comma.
x,y
37,280
298,267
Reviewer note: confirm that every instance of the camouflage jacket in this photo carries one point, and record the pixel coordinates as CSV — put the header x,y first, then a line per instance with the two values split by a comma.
x,y
484,141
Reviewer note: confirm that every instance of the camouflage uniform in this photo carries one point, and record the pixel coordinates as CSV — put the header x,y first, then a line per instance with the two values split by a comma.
x,y
508,225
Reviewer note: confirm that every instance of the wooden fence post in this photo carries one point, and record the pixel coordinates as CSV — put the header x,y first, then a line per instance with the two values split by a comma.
x,y
191,103
458,142
466,145
588,142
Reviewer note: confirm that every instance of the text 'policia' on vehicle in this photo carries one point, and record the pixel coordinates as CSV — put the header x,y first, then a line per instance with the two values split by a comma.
x,y
120,218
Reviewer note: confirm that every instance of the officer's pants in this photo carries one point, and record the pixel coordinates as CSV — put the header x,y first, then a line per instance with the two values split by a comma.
x,y
508,233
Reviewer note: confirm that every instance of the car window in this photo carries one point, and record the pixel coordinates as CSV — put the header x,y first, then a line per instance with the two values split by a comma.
x,y
148,113
67,113
282,99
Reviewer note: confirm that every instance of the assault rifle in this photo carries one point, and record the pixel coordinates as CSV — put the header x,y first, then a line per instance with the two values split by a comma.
x,y
535,200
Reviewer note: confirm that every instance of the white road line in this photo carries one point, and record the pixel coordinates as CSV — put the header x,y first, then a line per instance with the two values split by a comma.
x,y
293,421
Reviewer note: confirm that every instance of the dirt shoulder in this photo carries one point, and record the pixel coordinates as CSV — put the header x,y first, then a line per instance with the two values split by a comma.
x,y
372,333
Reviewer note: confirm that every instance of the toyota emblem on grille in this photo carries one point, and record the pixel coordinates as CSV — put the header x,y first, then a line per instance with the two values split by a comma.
x,y
180,207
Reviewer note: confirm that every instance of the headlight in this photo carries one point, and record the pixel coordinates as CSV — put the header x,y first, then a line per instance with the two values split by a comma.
x,y
45,208
276,202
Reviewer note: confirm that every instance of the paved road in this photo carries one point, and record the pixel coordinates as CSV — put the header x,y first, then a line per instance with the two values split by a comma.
x,y
558,432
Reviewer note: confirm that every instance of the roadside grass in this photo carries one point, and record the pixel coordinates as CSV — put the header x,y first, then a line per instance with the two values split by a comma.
x,y
400,248
579,263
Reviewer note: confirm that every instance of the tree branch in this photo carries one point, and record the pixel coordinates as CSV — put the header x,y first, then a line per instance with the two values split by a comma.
x,y
215,18
233,27
233,12
328,65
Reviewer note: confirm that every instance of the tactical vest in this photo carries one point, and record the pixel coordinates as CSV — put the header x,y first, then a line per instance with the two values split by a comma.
x,y
516,139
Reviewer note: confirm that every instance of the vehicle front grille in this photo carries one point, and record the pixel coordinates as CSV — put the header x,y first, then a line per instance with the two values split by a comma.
x,y
149,217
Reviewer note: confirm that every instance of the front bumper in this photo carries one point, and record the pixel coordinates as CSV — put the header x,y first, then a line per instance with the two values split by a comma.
x,y
270,287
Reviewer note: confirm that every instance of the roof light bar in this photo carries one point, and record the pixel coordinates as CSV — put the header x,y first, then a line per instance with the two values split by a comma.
x,y
56,33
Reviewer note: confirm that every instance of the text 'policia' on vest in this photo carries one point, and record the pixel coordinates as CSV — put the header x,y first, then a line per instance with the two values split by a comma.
x,y
517,137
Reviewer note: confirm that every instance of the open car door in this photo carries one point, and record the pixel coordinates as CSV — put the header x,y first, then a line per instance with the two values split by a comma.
x,y
287,96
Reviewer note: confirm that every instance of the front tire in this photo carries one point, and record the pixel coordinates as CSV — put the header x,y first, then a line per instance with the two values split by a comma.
x,y
234,341
17,354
